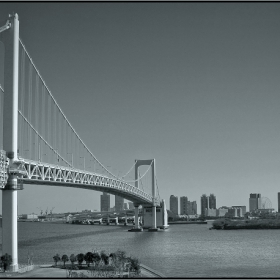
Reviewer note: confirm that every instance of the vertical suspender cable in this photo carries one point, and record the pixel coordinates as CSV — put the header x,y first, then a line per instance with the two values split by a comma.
x,y
54,135
43,120
29,109
36,118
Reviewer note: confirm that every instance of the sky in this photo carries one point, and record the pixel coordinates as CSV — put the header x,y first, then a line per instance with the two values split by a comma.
x,y
193,85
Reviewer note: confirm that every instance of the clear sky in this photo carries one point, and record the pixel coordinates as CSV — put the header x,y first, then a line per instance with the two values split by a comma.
x,y
194,85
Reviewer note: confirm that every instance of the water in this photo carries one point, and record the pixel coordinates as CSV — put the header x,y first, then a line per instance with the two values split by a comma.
x,y
181,251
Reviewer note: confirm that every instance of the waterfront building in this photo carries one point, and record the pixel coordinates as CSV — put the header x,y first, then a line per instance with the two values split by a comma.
x,y
119,203
211,212
29,216
212,201
125,206
243,208
232,212
173,202
254,201
130,205
194,208
191,208
279,202
204,204
104,202
184,205
222,211
239,212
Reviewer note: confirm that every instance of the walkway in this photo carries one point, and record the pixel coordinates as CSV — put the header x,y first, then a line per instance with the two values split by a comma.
x,y
46,271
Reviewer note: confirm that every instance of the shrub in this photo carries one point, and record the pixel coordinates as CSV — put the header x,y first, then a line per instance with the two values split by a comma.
x,y
6,261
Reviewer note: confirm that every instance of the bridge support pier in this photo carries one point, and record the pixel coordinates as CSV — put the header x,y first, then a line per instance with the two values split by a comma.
x,y
136,219
154,208
9,226
154,219
10,38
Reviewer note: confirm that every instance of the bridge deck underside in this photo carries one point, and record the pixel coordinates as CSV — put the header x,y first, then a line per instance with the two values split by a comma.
x,y
121,193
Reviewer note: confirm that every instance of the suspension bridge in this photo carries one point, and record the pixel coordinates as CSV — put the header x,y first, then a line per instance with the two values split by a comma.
x,y
39,145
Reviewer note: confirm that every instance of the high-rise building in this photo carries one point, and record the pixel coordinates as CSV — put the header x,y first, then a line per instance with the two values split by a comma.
x,y
279,202
183,205
119,203
204,204
104,202
189,208
254,201
212,201
173,204
194,208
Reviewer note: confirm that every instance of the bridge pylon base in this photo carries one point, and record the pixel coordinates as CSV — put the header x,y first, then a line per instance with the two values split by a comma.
x,y
136,229
153,229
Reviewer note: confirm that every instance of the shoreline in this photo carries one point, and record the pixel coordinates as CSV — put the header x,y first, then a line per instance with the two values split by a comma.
x,y
246,224
48,271
187,222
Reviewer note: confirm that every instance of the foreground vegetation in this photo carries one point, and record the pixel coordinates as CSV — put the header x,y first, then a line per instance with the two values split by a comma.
x,y
99,265
246,224
5,262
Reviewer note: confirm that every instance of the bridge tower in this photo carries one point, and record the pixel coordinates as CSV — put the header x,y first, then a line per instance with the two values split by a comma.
x,y
153,164
9,35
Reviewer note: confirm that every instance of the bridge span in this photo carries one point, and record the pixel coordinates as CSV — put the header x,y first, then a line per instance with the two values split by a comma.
x,y
41,147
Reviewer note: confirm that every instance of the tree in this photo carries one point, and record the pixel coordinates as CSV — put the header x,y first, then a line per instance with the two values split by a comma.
x,y
96,258
80,258
65,259
135,265
56,259
7,261
104,258
88,257
121,259
73,259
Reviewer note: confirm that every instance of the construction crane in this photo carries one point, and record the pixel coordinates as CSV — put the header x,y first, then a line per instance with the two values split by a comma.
x,y
41,211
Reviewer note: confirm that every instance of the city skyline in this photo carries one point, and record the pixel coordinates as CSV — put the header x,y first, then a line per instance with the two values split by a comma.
x,y
193,85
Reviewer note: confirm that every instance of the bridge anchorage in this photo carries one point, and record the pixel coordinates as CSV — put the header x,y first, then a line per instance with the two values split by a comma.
x,y
37,142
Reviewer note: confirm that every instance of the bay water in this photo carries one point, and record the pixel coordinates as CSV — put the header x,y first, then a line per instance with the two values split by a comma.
x,y
184,250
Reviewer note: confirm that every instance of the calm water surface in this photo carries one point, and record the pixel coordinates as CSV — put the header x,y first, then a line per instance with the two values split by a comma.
x,y
181,251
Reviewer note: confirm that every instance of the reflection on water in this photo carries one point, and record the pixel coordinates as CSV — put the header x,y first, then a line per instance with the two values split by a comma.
x,y
181,251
